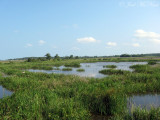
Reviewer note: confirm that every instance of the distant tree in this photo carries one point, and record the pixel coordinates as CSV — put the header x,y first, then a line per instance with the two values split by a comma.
x,y
66,57
125,55
29,60
48,56
76,57
56,56
71,57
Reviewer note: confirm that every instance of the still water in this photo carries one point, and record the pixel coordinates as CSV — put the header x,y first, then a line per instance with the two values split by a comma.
x,y
92,69
4,92
144,101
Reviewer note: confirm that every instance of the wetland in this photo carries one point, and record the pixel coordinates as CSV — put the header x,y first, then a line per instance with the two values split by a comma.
x,y
80,92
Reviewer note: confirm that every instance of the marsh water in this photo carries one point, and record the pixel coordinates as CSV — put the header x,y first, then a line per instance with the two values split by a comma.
x,y
144,101
92,69
4,92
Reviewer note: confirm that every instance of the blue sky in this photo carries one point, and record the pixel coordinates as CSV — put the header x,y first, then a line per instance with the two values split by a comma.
x,y
80,27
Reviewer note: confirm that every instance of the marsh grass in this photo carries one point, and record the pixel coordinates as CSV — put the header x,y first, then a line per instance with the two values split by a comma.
x,y
45,96
152,62
113,72
80,70
109,66
67,69
76,65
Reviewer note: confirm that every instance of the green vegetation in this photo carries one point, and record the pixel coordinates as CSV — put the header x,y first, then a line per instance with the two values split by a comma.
x,y
152,62
68,97
48,56
73,65
109,66
80,70
67,69
113,72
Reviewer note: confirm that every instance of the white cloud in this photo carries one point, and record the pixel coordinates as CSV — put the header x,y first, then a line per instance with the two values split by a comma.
x,y
87,40
41,42
112,44
136,45
150,36
28,45
155,41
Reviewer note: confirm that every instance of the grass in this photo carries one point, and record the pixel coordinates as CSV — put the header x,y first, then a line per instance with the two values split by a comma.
x,y
80,70
77,65
67,69
152,62
113,72
109,66
45,96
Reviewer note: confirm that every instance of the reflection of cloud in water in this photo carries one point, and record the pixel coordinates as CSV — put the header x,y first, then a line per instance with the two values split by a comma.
x,y
91,75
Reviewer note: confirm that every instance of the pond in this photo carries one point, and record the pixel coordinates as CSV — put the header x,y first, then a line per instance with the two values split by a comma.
x,y
144,101
92,69
4,92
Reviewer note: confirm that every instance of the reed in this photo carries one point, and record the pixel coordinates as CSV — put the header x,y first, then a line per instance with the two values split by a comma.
x,y
45,96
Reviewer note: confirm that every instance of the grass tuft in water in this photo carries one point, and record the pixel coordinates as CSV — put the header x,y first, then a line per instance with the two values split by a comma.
x,y
80,70
67,69
109,66
113,72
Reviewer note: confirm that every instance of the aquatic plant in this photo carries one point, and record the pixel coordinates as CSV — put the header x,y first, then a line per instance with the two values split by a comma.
x,y
113,72
67,69
80,70
109,66
152,62
72,65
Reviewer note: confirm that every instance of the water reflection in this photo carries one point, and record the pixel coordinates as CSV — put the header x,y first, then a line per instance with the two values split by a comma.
x,y
144,101
4,92
92,69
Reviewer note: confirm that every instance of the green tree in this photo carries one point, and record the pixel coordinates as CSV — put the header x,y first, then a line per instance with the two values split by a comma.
x,y
71,57
48,56
56,56
76,57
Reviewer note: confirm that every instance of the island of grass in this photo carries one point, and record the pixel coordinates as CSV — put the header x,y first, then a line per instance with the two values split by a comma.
x,y
109,66
67,69
152,62
80,70
76,65
113,72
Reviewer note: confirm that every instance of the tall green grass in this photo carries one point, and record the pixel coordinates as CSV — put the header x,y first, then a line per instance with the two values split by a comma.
x,y
67,97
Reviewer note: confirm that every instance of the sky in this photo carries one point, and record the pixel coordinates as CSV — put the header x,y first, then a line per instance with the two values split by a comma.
x,y
32,28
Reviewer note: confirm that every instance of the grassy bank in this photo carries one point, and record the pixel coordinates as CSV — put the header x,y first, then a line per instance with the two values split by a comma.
x,y
55,97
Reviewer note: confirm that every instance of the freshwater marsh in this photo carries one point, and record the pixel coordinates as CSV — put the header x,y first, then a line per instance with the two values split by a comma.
x,y
91,69
69,96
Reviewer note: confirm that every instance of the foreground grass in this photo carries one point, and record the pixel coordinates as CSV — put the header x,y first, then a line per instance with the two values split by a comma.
x,y
65,97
